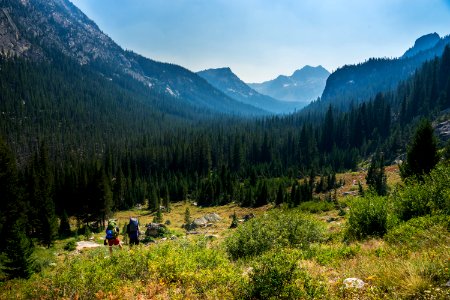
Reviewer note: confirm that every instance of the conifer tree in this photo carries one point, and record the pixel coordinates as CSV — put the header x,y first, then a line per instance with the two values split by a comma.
x,y
376,177
187,216
422,155
9,189
64,225
263,194
18,249
42,181
153,200
16,244
280,195
102,197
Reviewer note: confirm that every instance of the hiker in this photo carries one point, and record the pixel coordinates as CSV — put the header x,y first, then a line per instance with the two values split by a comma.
x,y
112,235
133,231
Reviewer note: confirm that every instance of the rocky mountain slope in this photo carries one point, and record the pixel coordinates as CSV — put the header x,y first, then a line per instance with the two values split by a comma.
x,y
33,28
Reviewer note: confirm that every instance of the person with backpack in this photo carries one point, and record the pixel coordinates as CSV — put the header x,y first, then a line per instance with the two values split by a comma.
x,y
112,235
133,231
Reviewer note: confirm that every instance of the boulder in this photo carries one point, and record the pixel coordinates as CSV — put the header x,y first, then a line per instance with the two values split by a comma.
x,y
155,229
353,283
204,221
249,216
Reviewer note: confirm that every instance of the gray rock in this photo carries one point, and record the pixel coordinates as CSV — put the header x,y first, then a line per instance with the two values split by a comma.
x,y
353,283
155,229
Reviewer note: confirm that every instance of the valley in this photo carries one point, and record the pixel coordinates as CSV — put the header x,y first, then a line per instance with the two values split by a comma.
x,y
317,185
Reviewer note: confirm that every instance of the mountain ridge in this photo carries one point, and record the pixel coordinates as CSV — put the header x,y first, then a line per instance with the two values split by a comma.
x,y
352,84
304,85
228,82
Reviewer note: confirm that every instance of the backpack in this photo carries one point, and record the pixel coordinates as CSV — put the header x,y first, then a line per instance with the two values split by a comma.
x,y
134,223
112,231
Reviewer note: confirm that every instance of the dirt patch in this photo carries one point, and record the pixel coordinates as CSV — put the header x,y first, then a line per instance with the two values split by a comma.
x,y
86,244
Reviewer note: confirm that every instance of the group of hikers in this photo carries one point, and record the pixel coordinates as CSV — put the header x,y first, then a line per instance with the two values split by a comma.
x,y
112,233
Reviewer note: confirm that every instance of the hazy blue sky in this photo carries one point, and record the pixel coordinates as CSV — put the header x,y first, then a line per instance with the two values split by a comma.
x,y
260,39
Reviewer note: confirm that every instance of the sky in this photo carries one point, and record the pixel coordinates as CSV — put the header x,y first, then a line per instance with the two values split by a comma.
x,y
261,39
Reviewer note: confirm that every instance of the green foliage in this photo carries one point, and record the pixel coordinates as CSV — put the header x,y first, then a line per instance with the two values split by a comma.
x,y
419,232
316,206
64,226
422,154
368,217
18,250
273,230
376,177
202,272
70,245
158,217
429,195
187,216
278,275
329,254
234,221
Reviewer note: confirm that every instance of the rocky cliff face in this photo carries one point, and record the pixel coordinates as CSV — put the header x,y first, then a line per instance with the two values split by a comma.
x,y
29,27
12,42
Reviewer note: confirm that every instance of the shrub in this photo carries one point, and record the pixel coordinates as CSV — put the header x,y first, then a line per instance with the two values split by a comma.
x,y
316,206
275,229
277,275
70,246
368,217
427,196
420,232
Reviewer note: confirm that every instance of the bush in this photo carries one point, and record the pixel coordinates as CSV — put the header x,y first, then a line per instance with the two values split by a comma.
x,y
275,229
427,196
277,275
70,246
419,232
316,206
368,217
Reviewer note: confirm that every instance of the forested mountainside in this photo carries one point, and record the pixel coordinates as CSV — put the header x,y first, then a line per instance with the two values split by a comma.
x,y
226,81
36,29
353,84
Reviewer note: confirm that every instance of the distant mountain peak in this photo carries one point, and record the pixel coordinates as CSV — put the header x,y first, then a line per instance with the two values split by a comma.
x,y
303,85
307,70
229,83
423,43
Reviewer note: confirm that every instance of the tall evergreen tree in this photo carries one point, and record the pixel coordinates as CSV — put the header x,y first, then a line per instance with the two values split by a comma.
x,y
376,177
280,195
18,249
422,155
41,198
16,244
103,198
9,188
